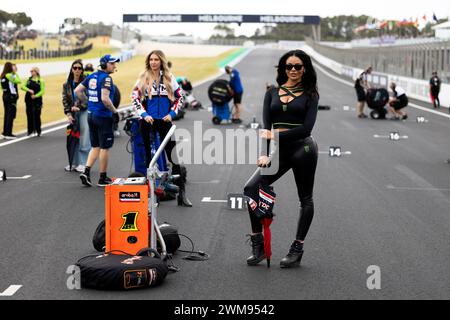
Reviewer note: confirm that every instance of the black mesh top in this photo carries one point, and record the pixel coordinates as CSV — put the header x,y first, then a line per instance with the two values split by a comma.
x,y
299,115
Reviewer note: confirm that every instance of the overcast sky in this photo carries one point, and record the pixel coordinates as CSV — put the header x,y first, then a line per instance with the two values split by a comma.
x,y
48,14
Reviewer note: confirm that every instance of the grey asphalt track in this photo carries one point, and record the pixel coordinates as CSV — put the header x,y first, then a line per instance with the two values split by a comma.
x,y
387,204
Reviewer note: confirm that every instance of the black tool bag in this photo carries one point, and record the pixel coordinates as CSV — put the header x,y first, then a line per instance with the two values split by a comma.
x,y
121,272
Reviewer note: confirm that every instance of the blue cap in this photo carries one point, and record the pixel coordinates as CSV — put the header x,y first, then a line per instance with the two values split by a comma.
x,y
108,58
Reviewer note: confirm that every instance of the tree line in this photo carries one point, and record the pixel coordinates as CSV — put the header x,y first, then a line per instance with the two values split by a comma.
x,y
337,28
20,19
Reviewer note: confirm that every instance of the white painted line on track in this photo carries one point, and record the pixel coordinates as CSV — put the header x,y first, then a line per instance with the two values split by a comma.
x,y
391,187
208,199
413,105
347,153
10,291
386,137
429,110
32,137
19,178
205,182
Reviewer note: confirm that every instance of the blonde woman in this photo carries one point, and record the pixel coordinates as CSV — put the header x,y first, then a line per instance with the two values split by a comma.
x,y
157,98
35,89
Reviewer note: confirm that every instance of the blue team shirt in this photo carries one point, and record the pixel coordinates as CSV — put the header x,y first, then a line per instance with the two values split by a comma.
x,y
235,81
94,83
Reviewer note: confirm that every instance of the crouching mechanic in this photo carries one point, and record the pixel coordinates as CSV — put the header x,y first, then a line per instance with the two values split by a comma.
x,y
398,101
100,93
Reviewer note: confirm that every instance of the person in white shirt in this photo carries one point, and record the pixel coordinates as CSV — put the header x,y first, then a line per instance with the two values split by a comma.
x,y
398,101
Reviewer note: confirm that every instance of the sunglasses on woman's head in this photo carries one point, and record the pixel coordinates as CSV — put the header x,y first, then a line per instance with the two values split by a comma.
x,y
77,68
296,66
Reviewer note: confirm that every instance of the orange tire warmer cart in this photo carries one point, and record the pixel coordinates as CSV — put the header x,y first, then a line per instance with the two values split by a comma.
x,y
127,222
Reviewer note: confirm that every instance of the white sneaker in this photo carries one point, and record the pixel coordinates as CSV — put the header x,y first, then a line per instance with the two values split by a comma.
x,y
68,168
80,168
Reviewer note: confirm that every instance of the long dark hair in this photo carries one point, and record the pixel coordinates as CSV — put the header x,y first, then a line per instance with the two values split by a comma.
x,y
70,77
309,78
7,68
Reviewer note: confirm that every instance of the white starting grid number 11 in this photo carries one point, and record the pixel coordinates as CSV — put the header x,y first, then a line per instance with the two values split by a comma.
x,y
237,202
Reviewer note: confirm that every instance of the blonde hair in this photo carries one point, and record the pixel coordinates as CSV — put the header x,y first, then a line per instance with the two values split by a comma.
x,y
36,69
146,77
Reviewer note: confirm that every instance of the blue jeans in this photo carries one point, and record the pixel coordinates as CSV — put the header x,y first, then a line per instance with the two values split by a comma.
x,y
84,146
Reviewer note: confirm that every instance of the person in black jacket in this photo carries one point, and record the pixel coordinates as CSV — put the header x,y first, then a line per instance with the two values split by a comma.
x,y
435,89
35,89
76,111
289,111
9,80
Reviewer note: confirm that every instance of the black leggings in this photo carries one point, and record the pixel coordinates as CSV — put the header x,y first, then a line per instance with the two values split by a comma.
x,y
33,116
436,102
10,105
301,156
162,128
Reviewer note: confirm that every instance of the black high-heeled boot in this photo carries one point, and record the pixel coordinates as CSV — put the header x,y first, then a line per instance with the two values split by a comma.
x,y
182,199
294,256
257,243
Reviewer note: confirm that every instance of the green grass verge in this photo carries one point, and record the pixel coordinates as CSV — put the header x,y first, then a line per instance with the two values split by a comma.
x,y
196,69
101,47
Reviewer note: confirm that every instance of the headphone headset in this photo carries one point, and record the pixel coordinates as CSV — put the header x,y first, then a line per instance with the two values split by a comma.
x,y
103,64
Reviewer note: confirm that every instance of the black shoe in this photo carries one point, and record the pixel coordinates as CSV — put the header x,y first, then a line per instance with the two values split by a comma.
x,y
182,199
294,256
216,120
405,117
86,179
257,243
103,182
237,121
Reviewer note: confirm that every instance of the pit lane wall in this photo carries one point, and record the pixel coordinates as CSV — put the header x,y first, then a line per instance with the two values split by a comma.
x,y
415,88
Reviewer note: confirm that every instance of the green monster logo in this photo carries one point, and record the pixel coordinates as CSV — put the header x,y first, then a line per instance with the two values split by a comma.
x,y
129,222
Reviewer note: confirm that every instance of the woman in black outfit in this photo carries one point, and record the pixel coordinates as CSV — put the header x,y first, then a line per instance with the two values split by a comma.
x,y
291,110
35,89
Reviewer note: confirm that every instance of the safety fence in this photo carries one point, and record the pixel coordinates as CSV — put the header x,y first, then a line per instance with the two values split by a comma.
x,y
32,54
415,88
415,61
